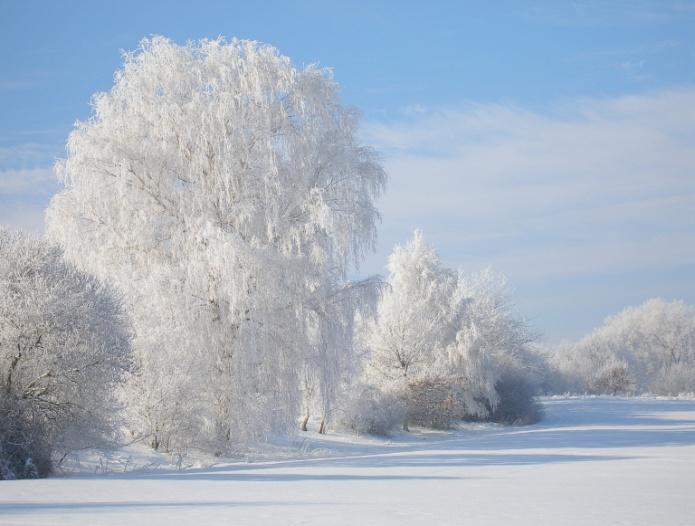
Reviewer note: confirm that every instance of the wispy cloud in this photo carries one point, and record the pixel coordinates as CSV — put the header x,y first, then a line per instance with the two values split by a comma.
x,y
24,195
600,12
23,216
28,154
587,187
17,84
22,183
640,63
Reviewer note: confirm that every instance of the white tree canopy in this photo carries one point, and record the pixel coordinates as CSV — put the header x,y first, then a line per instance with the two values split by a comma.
x,y
437,327
223,190
64,350
646,348
412,317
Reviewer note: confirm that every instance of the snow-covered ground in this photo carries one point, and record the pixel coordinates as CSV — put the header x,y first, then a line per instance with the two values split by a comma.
x,y
591,461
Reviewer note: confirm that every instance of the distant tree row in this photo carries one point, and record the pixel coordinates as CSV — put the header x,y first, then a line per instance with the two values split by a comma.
x,y
645,349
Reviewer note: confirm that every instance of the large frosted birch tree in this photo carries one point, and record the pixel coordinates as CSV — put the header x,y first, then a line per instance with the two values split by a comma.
x,y
225,193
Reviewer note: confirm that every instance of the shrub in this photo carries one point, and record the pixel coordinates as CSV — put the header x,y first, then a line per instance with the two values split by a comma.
x,y
432,403
373,412
64,350
679,378
24,452
516,403
613,378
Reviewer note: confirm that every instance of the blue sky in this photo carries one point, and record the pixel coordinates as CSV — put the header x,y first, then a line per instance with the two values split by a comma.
x,y
553,140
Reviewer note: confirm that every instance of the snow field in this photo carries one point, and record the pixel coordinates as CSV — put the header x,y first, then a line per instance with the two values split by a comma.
x,y
592,461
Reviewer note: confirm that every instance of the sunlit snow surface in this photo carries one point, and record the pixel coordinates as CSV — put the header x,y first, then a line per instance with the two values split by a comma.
x,y
591,461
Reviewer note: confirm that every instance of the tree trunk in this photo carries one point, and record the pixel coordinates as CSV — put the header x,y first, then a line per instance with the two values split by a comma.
x,y
305,421
322,427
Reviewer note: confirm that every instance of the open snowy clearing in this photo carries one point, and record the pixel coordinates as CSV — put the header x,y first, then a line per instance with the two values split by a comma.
x,y
591,461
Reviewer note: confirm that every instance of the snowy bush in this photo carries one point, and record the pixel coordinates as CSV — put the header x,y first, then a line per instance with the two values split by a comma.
x,y
679,378
613,377
516,402
372,412
433,403
24,452
64,350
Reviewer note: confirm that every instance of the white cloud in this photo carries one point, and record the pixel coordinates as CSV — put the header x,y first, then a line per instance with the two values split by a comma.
x,y
23,216
24,195
29,154
8,84
583,188
27,182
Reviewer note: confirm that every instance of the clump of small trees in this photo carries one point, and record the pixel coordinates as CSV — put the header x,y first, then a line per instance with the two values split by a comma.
x,y
447,344
649,348
64,351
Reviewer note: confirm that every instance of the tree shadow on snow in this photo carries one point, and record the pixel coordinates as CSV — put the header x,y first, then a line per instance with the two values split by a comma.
x,y
15,508
406,460
570,423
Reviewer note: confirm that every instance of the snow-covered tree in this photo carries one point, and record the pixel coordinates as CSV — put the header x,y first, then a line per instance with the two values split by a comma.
x,y
413,314
647,348
509,373
224,192
64,350
330,362
443,339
